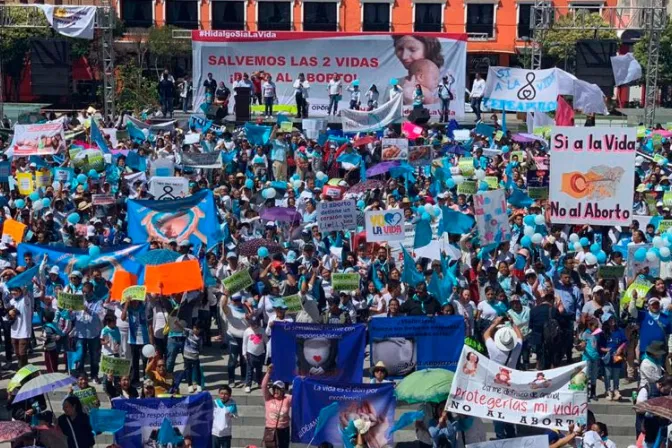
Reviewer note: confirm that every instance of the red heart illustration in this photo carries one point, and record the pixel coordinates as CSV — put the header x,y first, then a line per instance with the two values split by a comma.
x,y
317,358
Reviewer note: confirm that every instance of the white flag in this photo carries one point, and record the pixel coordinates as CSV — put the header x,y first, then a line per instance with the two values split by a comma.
x,y
71,21
538,120
358,121
626,69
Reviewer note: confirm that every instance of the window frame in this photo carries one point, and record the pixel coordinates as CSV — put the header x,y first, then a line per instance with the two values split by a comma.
x,y
289,3
442,9
494,5
389,5
212,15
335,3
181,24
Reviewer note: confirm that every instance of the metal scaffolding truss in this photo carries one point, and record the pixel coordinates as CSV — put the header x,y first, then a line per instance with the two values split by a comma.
x,y
649,19
104,22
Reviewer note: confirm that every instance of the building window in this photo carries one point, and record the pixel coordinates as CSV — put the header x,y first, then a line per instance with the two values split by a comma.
x,y
137,13
525,20
274,16
182,13
320,16
481,20
428,17
228,15
376,17
586,8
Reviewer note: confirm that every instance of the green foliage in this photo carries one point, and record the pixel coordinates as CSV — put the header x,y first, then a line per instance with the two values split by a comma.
x,y
134,91
641,53
560,44
162,45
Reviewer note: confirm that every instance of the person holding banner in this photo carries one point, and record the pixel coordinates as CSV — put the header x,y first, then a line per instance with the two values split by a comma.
x,y
278,405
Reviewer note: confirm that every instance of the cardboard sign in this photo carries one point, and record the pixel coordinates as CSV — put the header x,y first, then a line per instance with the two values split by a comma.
x,y
492,181
103,199
87,397
120,281
137,293
420,155
162,168
611,271
14,230
663,225
174,278
538,192
111,365
642,287
667,199
394,149
163,188
293,303
492,219
68,301
43,178
467,187
336,215
384,225
345,282
466,165
25,183
238,281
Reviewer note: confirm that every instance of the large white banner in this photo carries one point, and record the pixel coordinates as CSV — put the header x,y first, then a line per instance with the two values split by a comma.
x,y
492,219
592,175
37,139
71,21
551,399
371,58
519,442
361,121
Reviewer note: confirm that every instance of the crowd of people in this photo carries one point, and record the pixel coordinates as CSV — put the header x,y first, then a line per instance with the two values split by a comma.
x,y
533,305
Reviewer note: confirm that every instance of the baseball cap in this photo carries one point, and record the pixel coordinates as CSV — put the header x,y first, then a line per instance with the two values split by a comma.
x,y
231,255
653,300
278,384
76,274
55,270
597,288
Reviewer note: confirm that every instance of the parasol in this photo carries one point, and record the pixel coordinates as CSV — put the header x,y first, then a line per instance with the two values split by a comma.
x,y
282,214
13,430
249,248
661,407
430,385
43,384
158,256
363,187
23,373
381,168
527,138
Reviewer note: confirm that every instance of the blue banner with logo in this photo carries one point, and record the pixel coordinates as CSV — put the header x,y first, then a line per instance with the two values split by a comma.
x,y
189,416
371,402
334,352
70,259
407,344
193,218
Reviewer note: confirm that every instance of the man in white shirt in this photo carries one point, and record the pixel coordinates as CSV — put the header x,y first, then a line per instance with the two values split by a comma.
x,y
270,94
21,317
477,90
301,87
334,88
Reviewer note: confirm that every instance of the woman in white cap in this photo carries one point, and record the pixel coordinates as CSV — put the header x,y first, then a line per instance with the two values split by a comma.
x,y
278,404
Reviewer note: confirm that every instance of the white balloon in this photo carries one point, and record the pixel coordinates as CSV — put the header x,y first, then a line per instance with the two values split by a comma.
x,y
591,259
577,247
148,351
38,205
537,238
664,252
651,256
573,238
657,242
297,183
528,231
459,180
479,174
270,193
429,208
539,220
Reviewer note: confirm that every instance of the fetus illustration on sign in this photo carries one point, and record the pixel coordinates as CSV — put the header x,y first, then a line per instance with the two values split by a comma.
x,y
316,356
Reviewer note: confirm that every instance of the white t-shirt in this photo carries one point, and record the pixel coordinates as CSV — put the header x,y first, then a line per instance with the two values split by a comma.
x,y
478,88
222,418
334,87
500,357
22,325
268,89
487,311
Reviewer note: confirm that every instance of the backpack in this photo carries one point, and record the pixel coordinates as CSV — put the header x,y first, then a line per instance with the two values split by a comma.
x,y
551,330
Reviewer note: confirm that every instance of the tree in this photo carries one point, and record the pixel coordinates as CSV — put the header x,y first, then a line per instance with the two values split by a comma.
x,y
135,92
560,43
163,46
641,53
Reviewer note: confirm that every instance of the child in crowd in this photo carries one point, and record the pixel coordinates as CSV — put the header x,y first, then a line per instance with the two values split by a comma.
x,y
192,364
110,337
591,354
224,412
87,394
254,349
51,335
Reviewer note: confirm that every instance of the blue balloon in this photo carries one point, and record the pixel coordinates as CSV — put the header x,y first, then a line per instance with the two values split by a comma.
x,y
355,82
450,183
640,254
394,81
81,178
46,202
262,252
595,248
425,216
94,251
526,241
483,186
249,184
505,149
529,220
93,174
585,242
83,262
601,257
73,218
361,204
34,196
20,203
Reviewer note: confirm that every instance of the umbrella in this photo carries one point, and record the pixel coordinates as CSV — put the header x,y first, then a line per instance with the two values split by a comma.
x,y
249,248
13,430
23,373
430,385
282,214
527,138
661,406
381,168
43,384
158,256
363,187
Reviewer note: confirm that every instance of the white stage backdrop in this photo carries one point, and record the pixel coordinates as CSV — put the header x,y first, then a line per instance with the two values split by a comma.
x,y
372,58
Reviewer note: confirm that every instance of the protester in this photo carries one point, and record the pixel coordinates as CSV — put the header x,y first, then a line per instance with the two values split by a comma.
x,y
278,405
74,423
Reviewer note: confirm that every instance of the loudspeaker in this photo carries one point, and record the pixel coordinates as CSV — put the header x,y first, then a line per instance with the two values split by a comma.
x,y
419,116
593,63
242,107
214,112
50,67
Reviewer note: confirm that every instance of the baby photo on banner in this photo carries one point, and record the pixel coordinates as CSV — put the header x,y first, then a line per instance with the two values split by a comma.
x,y
592,175
550,399
333,352
371,405
491,217
407,344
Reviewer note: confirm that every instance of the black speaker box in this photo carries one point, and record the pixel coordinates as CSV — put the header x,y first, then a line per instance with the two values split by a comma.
x,y
419,116
50,67
593,63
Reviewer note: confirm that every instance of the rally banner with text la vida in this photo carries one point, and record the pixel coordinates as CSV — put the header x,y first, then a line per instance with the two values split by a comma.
x,y
592,175
370,58
552,399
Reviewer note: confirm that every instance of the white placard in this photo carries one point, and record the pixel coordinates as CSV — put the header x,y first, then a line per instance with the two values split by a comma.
x,y
169,187
384,225
336,215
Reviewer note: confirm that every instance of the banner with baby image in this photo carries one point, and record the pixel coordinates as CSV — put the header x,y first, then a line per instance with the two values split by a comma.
x,y
366,408
334,352
551,399
407,344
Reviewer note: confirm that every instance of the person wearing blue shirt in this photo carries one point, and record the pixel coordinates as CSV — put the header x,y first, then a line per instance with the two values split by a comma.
x,y
612,343
653,325
572,301
87,326
279,154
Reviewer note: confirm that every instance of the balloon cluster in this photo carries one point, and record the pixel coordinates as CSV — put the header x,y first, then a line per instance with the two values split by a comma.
x,y
530,234
429,212
659,251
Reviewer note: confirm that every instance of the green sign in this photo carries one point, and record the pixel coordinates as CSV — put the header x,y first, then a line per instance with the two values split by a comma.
x,y
345,282
492,181
519,154
87,159
134,293
87,397
466,165
286,126
538,192
467,187
73,302
642,287
238,281
110,365
667,199
293,303
664,224
611,271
